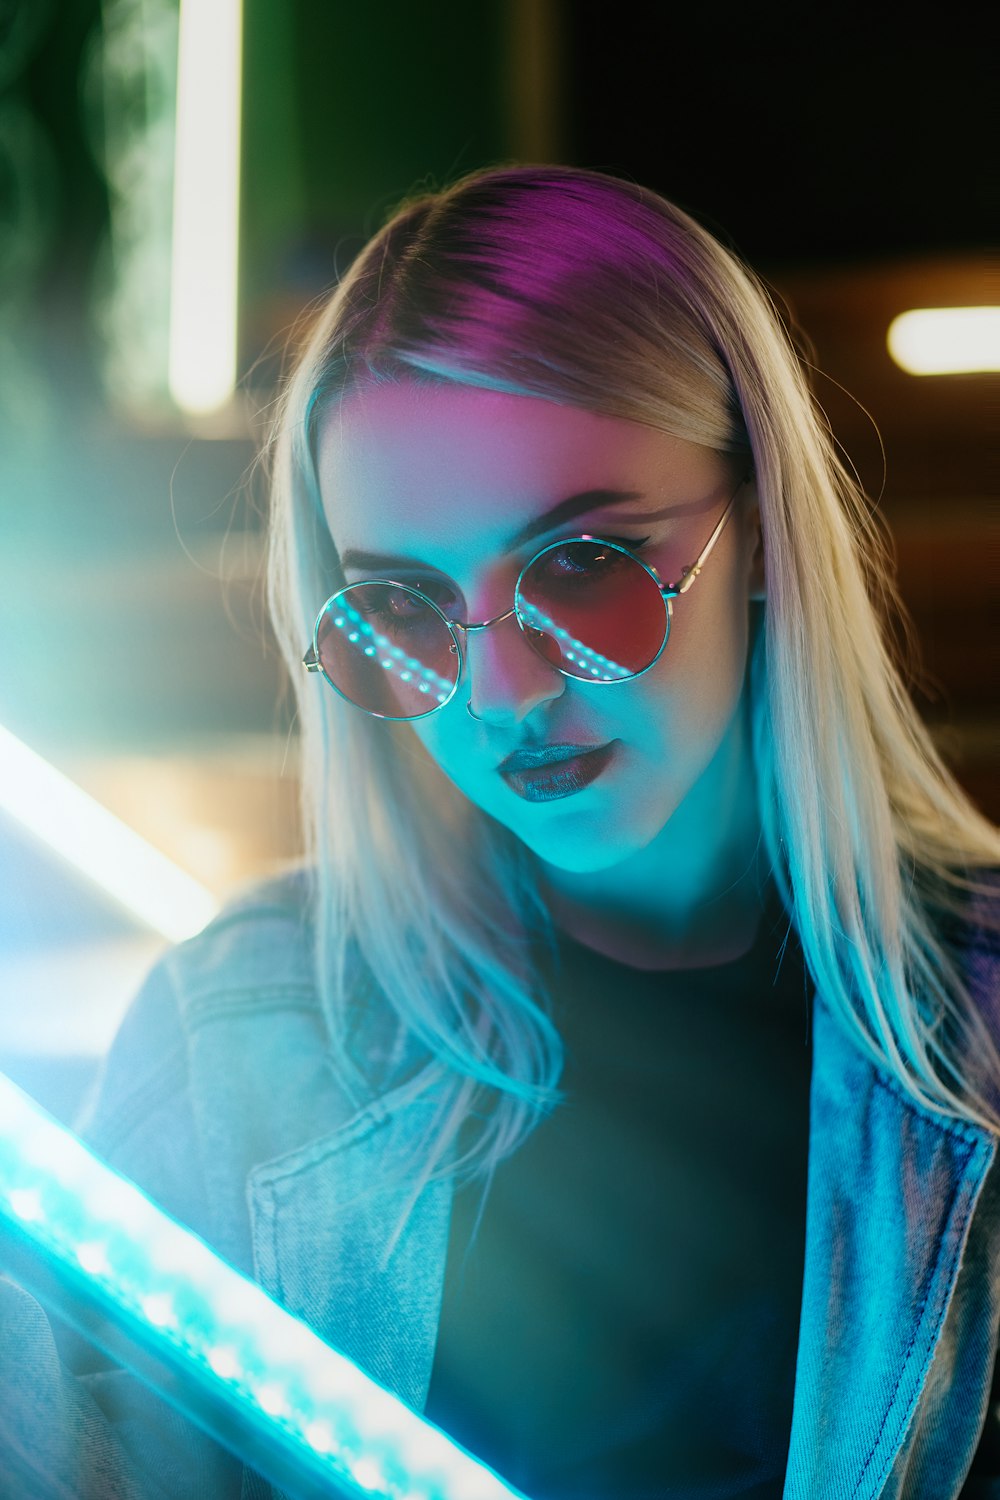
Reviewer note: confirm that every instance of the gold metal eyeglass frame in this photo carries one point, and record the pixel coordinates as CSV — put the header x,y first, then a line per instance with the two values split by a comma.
x,y
668,592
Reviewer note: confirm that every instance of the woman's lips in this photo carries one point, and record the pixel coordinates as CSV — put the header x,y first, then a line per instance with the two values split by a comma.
x,y
560,775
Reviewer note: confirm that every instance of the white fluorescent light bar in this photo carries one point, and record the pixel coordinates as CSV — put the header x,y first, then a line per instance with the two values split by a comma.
x,y
101,846
208,1339
946,340
205,254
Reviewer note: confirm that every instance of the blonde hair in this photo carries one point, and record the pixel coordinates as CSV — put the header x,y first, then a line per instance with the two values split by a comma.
x,y
591,291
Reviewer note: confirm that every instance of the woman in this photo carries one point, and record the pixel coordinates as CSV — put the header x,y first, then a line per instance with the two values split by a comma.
x,y
635,888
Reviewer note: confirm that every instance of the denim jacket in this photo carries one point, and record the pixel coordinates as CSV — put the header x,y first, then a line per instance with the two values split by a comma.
x,y
223,1098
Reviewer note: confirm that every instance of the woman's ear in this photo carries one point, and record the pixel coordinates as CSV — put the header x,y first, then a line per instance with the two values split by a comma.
x,y
757,584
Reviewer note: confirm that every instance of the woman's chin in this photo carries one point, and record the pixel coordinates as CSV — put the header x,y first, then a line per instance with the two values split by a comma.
x,y
586,850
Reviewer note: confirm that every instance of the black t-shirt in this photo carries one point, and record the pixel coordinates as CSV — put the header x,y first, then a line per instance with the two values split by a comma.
x,y
624,1322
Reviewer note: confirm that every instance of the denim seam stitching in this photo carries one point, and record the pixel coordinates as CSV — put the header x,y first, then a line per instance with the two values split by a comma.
x,y
206,994
969,1134
374,1116
271,1206
203,1010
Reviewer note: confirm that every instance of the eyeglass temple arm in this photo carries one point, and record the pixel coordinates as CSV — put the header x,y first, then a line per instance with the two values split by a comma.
x,y
311,661
690,573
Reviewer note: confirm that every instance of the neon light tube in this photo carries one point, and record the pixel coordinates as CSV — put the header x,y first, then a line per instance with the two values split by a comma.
x,y
205,253
946,340
114,856
83,1237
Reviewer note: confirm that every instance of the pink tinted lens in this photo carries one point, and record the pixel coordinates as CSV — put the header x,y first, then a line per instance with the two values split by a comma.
x,y
593,611
388,650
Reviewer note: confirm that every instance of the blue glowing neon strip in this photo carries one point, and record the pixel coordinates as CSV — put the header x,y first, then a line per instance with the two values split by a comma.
x,y
316,1424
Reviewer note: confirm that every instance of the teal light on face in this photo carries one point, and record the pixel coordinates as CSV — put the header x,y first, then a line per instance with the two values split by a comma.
x,y
325,1427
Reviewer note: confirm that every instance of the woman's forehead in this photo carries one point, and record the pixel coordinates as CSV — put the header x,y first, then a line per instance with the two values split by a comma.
x,y
413,466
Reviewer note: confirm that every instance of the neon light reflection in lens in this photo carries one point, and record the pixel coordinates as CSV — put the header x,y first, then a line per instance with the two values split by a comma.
x,y
360,634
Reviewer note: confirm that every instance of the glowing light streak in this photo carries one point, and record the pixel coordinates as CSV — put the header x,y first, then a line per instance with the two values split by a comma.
x,y
324,1419
946,340
205,255
605,669
100,845
354,626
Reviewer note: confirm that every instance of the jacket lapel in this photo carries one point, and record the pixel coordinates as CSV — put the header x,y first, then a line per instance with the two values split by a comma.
x,y
892,1189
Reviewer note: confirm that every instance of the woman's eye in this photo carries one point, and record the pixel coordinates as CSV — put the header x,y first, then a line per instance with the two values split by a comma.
x,y
403,606
389,607
438,593
589,559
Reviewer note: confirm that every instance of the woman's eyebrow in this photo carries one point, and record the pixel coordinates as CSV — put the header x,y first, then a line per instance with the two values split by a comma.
x,y
565,510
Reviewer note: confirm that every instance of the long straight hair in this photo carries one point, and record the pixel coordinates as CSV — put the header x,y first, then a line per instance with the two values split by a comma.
x,y
580,288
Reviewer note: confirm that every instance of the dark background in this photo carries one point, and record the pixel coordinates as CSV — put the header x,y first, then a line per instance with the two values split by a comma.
x,y
834,133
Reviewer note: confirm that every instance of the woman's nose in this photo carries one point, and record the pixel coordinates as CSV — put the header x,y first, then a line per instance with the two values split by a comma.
x,y
505,679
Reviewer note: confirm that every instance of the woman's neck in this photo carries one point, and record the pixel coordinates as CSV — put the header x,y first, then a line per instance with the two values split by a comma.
x,y
692,898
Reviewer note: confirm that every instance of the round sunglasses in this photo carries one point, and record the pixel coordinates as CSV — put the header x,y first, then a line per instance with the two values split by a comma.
x,y
590,608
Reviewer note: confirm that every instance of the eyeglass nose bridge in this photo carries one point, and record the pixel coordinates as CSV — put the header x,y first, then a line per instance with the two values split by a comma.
x,y
483,624
470,628
668,593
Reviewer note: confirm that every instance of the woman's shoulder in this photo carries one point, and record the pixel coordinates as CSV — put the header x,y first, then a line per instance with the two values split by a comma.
x,y
239,1002
972,929
257,945
981,916
968,928
224,1060
253,959
261,940
978,949
256,968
